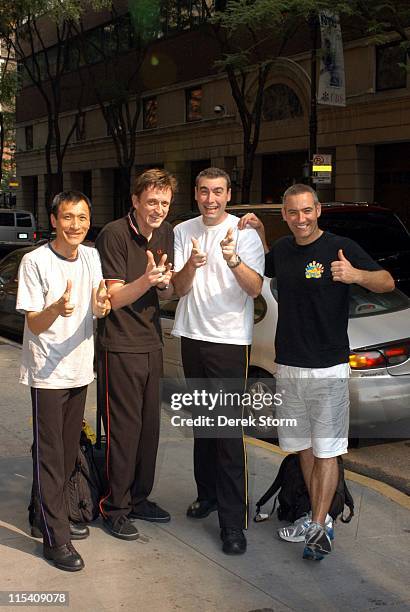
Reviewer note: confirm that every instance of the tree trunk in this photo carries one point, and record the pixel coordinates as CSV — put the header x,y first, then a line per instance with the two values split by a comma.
x,y
248,161
122,202
2,137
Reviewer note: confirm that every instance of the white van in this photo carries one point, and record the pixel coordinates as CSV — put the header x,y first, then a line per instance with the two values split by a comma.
x,y
17,227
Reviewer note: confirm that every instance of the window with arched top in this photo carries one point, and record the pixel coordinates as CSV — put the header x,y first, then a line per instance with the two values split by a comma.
x,y
280,102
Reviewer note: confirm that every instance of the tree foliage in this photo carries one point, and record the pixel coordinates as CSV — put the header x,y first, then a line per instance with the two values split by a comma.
x,y
252,35
8,88
22,26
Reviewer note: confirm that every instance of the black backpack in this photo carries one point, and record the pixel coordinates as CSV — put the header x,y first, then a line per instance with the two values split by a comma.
x,y
82,493
84,488
293,495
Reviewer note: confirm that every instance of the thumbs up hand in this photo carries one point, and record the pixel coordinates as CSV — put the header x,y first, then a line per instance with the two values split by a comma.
x,y
343,271
64,307
198,258
228,246
102,301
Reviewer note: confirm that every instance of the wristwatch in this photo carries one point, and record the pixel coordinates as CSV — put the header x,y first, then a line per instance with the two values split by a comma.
x,y
235,264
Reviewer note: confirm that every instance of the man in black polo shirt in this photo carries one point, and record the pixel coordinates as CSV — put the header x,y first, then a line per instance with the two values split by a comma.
x,y
136,255
314,269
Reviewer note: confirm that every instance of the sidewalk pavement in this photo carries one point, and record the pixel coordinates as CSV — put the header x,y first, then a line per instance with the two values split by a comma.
x,y
179,566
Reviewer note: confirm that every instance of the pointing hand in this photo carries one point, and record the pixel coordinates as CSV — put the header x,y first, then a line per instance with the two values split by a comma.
x,y
154,274
228,246
198,258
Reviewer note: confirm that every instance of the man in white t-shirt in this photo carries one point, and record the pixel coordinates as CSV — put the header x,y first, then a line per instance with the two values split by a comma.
x,y
60,289
218,272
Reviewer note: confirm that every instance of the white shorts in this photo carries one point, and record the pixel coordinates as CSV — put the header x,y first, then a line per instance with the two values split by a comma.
x,y
318,400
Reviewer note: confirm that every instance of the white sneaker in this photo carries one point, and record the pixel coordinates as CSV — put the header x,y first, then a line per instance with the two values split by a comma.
x,y
317,543
296,532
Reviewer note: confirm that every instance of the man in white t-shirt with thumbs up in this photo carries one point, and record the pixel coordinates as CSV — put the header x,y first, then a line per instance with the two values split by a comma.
x,y
218,273
60,289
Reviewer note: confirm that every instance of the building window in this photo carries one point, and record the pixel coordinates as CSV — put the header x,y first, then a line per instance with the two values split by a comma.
x,y
29,137
80,127
150,113
391,67
280,102
193,104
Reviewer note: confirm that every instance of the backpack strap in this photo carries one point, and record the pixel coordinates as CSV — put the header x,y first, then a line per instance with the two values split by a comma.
x,y
273,489
350,504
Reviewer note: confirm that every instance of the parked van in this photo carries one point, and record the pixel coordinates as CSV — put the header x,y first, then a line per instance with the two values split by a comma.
x,y
17,227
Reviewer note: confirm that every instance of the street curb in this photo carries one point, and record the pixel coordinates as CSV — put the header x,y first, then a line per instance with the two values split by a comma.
x,y
371,483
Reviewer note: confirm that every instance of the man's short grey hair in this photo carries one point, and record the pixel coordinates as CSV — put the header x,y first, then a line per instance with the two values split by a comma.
x,y
297,190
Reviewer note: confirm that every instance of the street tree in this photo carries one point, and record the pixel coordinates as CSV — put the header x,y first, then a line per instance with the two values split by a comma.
x,y
8,89
252,35
22,25
120,51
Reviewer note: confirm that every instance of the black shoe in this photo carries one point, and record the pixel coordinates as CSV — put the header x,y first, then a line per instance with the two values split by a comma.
x,y
234,541
150,511
36,531
64,557
201,508
79,531
121,528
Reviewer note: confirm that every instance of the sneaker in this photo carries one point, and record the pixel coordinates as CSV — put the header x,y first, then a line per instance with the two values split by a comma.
x,y
317,542
150,511
121,528
296,532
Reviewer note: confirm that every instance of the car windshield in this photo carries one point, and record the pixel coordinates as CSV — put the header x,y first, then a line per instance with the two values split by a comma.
x,y
376,232
364,303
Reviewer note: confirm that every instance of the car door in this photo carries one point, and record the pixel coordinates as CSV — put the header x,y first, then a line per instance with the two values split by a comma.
x,y
10,320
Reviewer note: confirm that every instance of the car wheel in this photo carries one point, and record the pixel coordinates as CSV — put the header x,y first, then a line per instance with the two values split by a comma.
x,y
261,388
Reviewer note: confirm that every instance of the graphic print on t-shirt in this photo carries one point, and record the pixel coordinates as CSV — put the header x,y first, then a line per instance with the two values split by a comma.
x,y
314,269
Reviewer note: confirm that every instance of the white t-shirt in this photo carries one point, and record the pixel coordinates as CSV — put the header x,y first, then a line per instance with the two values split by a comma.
x,y
216,309
62,356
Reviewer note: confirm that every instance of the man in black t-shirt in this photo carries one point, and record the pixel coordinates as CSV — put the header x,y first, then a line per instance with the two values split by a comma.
x,y
314,270
136,255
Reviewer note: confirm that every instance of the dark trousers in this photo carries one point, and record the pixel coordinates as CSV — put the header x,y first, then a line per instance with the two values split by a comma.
x,y
57,421
219,463
129,384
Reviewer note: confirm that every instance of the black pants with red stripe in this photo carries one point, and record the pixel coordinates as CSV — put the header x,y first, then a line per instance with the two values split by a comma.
x,y
57,421
219,463
129,385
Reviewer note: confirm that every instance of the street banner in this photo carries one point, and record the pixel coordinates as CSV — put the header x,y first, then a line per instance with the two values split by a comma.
x,y
331,88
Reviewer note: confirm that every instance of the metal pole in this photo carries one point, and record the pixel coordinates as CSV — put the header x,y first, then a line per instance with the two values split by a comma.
x,y
313,25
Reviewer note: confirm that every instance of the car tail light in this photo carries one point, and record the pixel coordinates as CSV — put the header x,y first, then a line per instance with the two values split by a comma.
x,y
34,235
379,357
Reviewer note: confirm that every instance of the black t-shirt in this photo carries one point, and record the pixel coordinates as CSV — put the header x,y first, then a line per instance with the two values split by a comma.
x,y
313,308
134,328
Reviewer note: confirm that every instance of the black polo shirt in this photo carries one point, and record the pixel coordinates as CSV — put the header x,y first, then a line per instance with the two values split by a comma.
x,y
134,328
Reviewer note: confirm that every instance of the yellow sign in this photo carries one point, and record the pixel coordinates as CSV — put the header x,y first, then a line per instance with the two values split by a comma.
x,y
13,183
322,168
